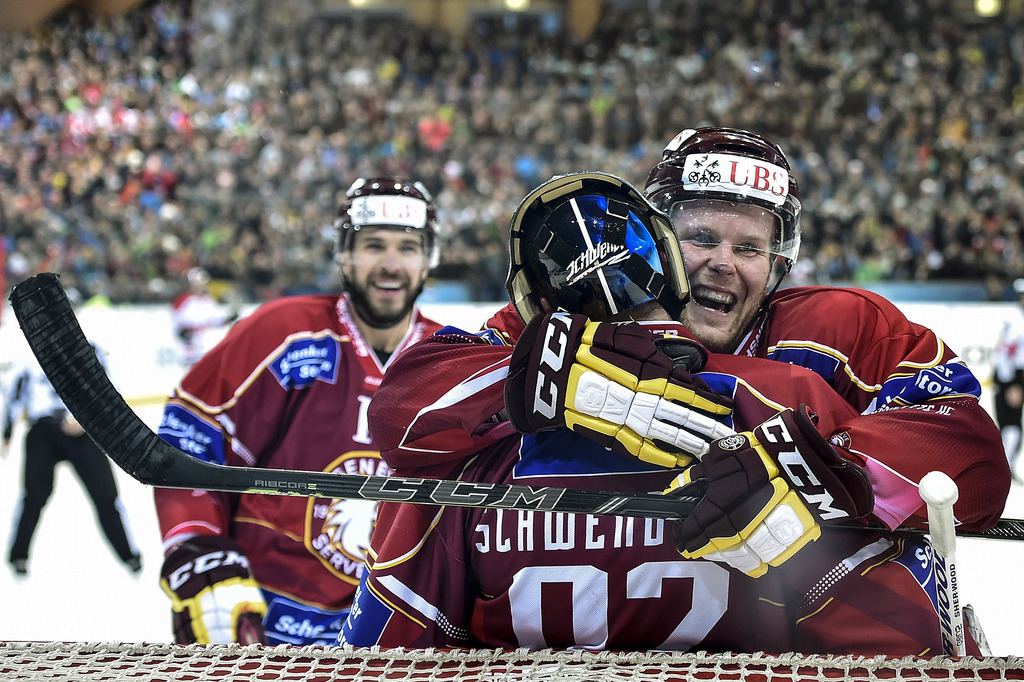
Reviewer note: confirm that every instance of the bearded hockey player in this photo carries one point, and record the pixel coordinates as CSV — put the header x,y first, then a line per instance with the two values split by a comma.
x,y
288,388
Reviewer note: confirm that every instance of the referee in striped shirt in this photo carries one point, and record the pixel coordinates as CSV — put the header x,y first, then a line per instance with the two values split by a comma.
x,y
54,436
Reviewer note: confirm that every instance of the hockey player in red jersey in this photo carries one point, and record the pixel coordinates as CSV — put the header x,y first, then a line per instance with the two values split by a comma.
x,y
288,388
463,577
919,403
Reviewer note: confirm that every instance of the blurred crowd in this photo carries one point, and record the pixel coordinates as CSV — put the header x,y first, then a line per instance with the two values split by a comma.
x,y
220,134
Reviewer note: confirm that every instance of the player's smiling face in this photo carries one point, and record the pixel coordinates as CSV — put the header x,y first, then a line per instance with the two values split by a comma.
x,y
385,269
726,249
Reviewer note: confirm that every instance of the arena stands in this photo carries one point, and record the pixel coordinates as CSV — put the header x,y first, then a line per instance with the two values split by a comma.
x,y
218,133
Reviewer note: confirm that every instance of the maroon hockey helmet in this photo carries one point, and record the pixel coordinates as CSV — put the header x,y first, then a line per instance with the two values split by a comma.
x,y
731,165
391,203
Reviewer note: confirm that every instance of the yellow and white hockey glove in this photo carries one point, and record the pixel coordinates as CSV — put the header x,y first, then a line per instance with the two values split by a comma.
x,y
766,494
616,385
214,598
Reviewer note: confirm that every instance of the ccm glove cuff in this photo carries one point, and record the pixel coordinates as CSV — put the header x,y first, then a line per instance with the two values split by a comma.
x,y
214,598
768,491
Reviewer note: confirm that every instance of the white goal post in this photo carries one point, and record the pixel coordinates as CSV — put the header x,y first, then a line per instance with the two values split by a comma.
x,y
940,493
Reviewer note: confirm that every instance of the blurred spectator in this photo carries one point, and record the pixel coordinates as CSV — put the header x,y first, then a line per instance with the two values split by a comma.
x,y
3,270
197,317
213,133
1008,381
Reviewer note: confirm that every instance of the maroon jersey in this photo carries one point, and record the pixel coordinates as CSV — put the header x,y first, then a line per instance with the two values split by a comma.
x,y
471,577
918,403
288,388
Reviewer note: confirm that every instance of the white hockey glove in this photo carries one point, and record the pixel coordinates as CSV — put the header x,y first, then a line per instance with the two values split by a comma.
x,y
214,598
616,385
766,493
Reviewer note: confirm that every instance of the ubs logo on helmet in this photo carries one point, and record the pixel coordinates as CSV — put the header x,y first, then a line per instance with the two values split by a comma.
x,y
737,175
362,213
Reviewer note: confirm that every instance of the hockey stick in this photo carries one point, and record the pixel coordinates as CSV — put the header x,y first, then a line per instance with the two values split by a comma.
x,y
939,493
70,363
67,358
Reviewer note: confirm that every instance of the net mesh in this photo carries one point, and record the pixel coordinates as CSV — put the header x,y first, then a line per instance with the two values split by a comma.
x,y
119,661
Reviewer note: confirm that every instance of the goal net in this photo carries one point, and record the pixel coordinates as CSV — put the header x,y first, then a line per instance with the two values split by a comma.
x,y
232,662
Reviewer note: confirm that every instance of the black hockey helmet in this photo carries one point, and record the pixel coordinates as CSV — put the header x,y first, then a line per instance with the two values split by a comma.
x,y
389,202
591,243
728,164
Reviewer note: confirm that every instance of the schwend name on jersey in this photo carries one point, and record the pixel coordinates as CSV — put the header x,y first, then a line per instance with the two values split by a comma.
x,y
520,531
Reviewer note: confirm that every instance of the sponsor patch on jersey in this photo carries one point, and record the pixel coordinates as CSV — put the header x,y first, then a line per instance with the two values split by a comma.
x,y
736,175
931,382
338,530
306,360
917,558
289,622
367,620
191,434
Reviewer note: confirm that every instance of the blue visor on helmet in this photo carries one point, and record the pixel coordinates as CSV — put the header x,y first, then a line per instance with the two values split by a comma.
x,y
613,257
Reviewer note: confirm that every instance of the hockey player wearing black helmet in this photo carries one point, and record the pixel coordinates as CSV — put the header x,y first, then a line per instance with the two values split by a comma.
x,y
588,397
884,391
